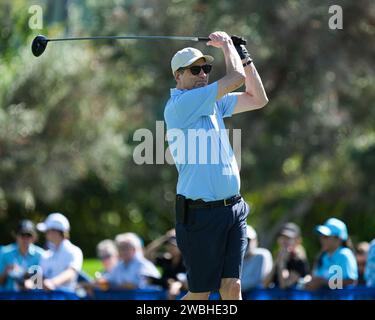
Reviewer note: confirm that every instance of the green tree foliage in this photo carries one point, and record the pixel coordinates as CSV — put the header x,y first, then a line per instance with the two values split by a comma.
x,y
67,118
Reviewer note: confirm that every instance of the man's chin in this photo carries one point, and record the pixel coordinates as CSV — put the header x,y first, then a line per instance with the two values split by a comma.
x,y
200,84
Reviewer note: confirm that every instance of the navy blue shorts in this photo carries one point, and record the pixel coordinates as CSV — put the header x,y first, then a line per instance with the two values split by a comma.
x,y
213,243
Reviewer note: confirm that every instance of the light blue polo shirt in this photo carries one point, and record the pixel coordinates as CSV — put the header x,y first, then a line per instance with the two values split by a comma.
x,y
134,272
370,266
12,256
199,144
344,258
58,259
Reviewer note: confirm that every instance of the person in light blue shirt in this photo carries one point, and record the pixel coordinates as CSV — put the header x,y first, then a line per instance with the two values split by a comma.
x,y
18,259
62,262
133,271
336,264
370,266
210,213
257,263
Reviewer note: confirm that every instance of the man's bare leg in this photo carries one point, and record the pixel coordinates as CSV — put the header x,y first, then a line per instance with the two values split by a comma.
x,y
230,289
196,296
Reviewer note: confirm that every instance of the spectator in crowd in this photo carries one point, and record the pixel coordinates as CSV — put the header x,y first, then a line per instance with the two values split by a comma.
x,y
17,258
107,252
370,266
335,252
166,255
361,253
257,263
291,263
134,270
62,262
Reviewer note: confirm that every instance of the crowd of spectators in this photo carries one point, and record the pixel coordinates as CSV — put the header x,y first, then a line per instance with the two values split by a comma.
x,y
128,264
337,265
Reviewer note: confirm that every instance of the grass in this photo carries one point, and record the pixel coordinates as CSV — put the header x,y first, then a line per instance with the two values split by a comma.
x,y
90,266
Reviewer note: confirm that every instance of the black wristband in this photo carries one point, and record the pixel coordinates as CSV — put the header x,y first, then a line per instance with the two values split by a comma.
x,y
247,63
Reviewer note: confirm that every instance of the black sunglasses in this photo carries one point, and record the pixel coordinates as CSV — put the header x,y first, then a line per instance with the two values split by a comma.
x,y
195,70
25,235
105,256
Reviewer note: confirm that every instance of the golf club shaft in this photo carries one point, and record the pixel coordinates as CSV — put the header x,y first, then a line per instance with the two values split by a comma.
x,y
39,44
134,37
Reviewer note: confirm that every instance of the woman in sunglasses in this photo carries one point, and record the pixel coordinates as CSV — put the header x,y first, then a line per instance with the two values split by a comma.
x,y
336,266
210,213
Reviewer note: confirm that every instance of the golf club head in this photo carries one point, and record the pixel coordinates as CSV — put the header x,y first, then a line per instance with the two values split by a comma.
x,y
38,45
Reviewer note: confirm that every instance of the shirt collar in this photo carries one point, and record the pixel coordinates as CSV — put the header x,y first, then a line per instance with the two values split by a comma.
x,y
31,251
176,92
63,244
136,259
334,253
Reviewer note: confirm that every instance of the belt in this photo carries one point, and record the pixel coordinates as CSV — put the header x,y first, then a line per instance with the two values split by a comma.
x,y
200,204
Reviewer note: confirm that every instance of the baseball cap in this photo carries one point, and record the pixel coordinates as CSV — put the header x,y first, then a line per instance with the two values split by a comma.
x,y
186,57
290,230
251,233
26,227
55,221
333,228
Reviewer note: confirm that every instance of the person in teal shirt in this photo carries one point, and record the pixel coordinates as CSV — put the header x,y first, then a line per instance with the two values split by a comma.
x,y
370,266
336,264
17,258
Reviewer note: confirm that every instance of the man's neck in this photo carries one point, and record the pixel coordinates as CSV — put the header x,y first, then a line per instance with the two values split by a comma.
x,y
332,251
58,243
23,250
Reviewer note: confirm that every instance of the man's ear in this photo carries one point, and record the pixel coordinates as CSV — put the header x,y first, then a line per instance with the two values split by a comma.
x,y
177,75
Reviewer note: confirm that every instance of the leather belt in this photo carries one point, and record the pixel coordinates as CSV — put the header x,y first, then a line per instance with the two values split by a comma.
x,y
200,204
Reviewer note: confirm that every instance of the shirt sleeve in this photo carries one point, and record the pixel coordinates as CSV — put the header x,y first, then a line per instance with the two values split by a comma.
x,y
195,103
149,270
267,265
349,266
111,276
318,272
227,104
2,263
370,266
77,260
40,254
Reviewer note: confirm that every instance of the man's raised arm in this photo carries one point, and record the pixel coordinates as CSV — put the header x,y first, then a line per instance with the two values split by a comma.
x,y
255,96
235,74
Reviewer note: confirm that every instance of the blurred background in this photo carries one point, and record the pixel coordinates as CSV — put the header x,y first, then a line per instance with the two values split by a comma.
x,y
67,118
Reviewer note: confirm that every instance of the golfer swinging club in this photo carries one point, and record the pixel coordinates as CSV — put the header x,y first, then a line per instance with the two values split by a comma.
x,y
210,212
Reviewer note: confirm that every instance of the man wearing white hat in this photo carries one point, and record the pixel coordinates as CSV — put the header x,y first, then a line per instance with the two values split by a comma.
x,y
208,188
257,263
63,260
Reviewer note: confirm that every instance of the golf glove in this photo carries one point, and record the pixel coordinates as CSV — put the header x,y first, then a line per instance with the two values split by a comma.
x,y
239,44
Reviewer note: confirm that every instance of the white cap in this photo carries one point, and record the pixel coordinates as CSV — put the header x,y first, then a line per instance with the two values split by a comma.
x,y
186,57
55,221
251,233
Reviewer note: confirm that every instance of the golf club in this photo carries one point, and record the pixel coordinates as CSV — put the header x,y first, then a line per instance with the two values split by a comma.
x,y
40,42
